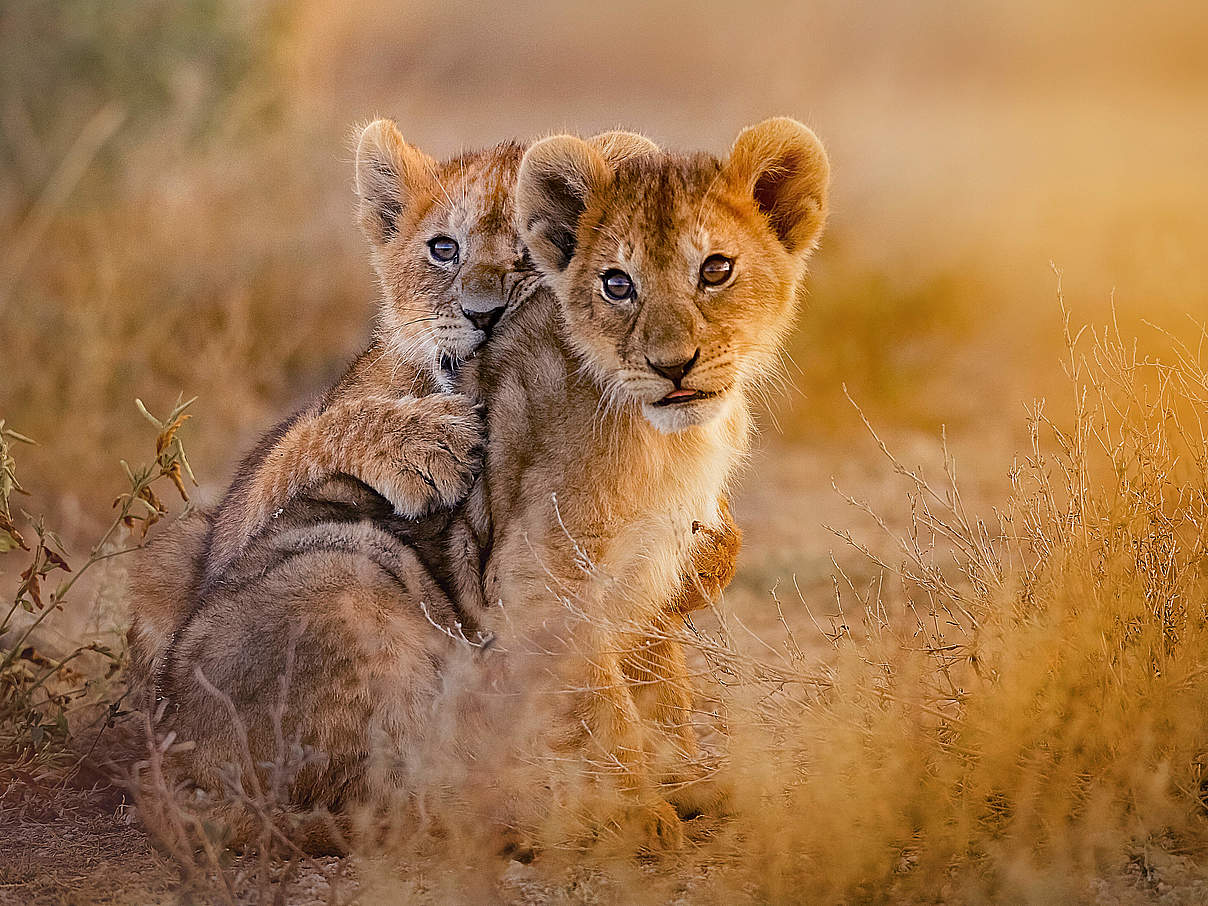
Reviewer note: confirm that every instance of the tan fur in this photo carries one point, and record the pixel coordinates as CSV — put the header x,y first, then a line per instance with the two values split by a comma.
x,y
336,575
388,421
592,485
301,671
163,592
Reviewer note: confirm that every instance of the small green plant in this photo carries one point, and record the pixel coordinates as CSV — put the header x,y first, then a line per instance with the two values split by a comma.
x,y
35,690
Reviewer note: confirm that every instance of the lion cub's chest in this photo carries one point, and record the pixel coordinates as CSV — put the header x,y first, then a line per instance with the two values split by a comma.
x,y
591,516
580,505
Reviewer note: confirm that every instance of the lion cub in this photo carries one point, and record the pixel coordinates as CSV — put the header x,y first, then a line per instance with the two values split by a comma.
x,y
673,280
450,267
365,665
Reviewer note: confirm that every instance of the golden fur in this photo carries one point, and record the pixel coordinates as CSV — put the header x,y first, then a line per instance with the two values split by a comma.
x,y
593,479
325,579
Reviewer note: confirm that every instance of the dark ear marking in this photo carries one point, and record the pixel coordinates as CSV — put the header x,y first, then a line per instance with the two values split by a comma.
x,y
566,242
390,174
560,220
766,192
556,178
386,206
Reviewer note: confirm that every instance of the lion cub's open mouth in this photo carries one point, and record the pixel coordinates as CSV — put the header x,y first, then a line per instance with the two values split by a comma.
x,y
685,395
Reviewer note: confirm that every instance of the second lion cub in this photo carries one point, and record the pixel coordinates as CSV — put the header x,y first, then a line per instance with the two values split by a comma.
x,y
450,268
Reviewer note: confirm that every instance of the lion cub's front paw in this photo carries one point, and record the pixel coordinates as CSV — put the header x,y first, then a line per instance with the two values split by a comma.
x,y
715,551
650,828
433,457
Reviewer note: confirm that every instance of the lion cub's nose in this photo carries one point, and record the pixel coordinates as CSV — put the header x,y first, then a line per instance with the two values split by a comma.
x,y
482,317
674,371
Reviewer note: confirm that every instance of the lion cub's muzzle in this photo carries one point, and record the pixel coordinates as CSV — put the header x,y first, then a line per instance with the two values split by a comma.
x,y
483,312
677,372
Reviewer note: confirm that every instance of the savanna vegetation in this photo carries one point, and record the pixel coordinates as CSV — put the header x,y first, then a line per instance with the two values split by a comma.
x,y
964,658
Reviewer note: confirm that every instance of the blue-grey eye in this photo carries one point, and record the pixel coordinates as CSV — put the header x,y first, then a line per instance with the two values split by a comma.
x,y
617,284
716,270
443,249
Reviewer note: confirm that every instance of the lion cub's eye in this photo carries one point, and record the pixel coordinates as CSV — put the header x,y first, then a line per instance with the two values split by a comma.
x,y
716,270
617,284
443,249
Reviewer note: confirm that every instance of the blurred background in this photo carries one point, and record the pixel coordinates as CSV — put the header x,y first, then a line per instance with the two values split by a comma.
x,y
176,207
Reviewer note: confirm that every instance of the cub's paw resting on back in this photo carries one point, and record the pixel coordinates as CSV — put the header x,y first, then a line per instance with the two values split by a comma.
x,y
420,454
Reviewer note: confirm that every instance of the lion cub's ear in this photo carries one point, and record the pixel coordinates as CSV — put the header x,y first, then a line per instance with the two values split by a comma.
x,y
619,146
390,174
557,175
784,167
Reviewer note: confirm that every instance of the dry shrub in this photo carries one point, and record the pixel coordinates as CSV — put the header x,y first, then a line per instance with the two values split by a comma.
x,y
46,696
1021,703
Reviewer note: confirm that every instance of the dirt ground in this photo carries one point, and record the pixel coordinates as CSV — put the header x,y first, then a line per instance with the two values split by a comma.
x,y
78,858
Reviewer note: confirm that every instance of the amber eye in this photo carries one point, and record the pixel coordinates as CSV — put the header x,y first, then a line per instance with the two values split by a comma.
x,y
617,284
716,270
443,249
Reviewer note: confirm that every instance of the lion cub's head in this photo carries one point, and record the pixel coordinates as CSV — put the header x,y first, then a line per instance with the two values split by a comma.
x,y
443,243
677,275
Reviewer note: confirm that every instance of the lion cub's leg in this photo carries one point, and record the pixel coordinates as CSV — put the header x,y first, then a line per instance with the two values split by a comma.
x,y
418,452
616,744
662,684
662,691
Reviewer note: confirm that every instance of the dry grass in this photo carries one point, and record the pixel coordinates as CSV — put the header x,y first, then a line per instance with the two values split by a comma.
x,y
195,830
1015,706
1001,699
1013,709
38,691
